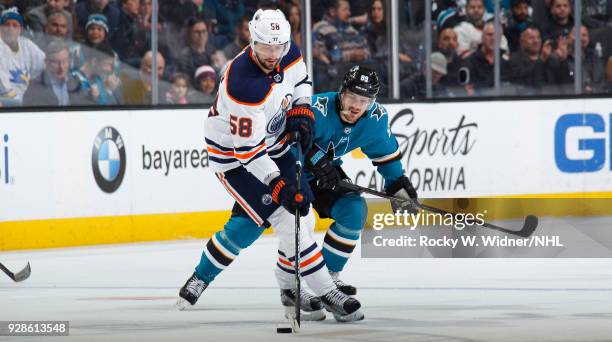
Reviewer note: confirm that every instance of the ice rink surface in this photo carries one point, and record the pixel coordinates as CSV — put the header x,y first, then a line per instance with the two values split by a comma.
x,y
127,293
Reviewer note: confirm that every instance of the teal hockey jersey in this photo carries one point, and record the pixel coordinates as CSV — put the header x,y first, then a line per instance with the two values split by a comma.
x,y
371,133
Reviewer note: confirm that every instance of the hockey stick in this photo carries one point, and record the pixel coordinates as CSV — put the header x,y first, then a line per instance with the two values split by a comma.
x,y
298,198
529,226
19,276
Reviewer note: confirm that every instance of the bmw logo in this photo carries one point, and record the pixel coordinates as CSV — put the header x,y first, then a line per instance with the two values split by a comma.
x,y
108,159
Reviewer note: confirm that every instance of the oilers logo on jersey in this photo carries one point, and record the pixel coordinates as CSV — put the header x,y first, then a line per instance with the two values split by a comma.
x,y
278,120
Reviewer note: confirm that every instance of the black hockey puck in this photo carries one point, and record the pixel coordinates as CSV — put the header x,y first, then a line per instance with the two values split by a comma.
x,y
284,330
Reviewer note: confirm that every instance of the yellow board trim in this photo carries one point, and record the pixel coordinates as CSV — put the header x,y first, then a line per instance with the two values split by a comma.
x,y
69,232
580,204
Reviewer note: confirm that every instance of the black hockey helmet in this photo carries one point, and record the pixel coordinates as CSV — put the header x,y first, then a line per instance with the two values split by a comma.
x,y
361,81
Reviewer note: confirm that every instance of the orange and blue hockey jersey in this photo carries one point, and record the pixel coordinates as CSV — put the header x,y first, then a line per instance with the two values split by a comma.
x,y
246,124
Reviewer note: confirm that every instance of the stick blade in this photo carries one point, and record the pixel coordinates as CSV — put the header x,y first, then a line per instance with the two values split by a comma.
x,y
530,225
23,274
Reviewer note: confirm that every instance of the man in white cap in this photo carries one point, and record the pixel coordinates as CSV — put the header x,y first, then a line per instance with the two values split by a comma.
x,y
21,59
415,86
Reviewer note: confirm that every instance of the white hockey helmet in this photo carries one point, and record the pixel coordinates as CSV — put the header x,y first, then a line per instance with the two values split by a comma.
x,y
270,27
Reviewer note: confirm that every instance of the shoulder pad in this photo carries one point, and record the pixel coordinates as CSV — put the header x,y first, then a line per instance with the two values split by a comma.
x,y
292,57
246,84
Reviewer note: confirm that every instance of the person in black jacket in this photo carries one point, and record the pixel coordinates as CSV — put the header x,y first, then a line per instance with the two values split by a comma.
x,y
56,86
560,21
126,42
481,64
518,20
593,74
537,65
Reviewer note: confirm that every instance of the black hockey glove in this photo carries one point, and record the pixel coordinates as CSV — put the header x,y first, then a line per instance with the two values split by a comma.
x,y
402,188
321,167
300,119
286,194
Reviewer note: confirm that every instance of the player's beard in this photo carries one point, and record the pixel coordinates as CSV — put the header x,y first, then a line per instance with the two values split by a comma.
x,y
268,64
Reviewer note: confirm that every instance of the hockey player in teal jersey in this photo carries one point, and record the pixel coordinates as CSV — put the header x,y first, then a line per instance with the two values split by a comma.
x,y
344,121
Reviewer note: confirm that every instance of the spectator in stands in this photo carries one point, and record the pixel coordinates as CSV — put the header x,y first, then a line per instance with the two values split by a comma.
x,y
536,64
56,86
336,40
450,16
98,77
206,84
560,21
96,34
110,10
228,13
449,46
359,13
125,43
55,29
179,90
469,32
481,64
592,65
181,10
243,37
137,89
596,13
337,46
37,17
294,16
376,31
415,87
21,59
198,51
96,30
167,39
518,20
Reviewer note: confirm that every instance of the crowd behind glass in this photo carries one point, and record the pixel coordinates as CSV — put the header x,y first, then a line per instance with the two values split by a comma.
x,y
99,52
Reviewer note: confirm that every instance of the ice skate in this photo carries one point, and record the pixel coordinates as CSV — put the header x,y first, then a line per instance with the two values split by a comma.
x,y
311,306
343,307
347,289
190,292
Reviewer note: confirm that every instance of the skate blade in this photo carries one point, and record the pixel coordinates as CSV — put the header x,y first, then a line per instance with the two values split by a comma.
x,y
353,317
182,304
317,315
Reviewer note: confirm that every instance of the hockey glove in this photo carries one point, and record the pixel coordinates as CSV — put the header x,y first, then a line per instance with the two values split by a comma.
x,y
321,167
286,194
300,119
402,188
